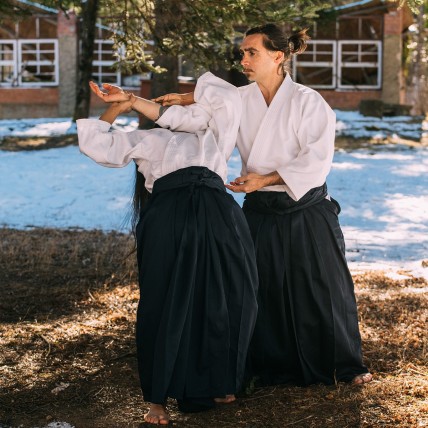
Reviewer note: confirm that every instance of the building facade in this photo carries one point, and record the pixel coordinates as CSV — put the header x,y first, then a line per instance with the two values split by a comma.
x,y
356,53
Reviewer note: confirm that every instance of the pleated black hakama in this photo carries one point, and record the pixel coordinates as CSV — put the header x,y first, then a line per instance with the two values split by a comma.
x,y
198,285
307,325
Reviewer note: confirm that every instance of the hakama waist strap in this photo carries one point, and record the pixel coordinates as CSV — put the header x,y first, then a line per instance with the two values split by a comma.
x,y
281,203
190,176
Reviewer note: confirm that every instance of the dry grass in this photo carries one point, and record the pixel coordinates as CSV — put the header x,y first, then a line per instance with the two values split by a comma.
x,y
67,310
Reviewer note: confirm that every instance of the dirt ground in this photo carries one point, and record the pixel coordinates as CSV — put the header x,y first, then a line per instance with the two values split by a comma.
x,y
68,301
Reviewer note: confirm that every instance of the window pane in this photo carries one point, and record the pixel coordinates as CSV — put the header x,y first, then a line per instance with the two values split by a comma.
x,y
314,76
106,55
372,57
29,74
359,76
6,52
324,58
28,57
6,73
46,69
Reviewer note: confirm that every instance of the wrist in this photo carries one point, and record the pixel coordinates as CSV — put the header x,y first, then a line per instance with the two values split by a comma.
x,y
273,179
132,100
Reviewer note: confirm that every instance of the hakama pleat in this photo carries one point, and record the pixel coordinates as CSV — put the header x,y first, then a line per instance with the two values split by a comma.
x,y
307,326
198,285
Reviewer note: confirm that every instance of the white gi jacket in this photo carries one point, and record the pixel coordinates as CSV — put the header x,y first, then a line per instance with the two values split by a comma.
x,y
294,136
211,126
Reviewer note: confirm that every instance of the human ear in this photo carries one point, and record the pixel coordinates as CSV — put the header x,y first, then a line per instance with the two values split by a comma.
x,y
279,57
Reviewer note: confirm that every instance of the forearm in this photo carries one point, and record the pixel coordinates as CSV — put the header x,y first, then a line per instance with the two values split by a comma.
x,y
176,99
187,99
148,108
272,179
252,182
112,112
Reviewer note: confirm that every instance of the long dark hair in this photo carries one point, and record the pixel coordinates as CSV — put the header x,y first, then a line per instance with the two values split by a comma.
x,y
139,198
276,40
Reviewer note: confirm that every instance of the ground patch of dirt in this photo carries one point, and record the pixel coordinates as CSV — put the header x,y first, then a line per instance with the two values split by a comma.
x,y
14,144
68,303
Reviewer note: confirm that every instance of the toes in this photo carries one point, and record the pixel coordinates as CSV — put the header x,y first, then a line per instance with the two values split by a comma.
x,y
362,379
156,417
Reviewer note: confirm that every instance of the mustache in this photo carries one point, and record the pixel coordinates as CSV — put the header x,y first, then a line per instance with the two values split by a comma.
x,y
247,70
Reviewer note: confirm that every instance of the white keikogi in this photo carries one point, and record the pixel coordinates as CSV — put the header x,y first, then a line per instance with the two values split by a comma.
x,y
294,136
211,126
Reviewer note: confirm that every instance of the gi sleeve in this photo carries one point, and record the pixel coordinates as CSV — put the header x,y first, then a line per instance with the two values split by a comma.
x,y
112,149
315,128
191,118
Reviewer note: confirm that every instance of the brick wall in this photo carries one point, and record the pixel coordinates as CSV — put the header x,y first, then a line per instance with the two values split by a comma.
x,y
393,91
18,103
348,100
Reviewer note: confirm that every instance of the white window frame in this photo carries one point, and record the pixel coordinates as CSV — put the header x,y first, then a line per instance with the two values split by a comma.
x,y
11,62
320,64
39,62
101,64
377,64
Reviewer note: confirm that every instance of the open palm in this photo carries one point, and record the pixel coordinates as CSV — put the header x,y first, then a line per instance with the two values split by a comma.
x,y
112,93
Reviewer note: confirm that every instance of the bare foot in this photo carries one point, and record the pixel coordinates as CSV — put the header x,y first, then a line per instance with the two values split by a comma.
x,y
157,415
226,400
363,378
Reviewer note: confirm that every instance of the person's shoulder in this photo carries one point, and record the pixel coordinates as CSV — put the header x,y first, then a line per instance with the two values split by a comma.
x,y
209,78
308,99
305,94
247,89
306,91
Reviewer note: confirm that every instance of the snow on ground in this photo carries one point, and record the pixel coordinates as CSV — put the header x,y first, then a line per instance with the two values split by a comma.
x,y
354,124
383,192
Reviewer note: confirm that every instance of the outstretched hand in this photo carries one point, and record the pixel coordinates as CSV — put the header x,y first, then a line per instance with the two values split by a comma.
x,y
112,93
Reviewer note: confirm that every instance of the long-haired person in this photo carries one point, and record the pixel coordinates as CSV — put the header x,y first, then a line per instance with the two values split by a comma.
x,y
196,261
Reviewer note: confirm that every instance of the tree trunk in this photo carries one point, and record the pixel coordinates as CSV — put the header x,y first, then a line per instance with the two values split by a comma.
x,y
86,30
166,82
418,68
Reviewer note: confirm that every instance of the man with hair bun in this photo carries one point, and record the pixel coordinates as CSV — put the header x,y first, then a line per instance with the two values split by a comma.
x,y
307,324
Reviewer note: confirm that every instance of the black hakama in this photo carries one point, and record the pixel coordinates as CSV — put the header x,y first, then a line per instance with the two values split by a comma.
x,y
198,286
307,325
